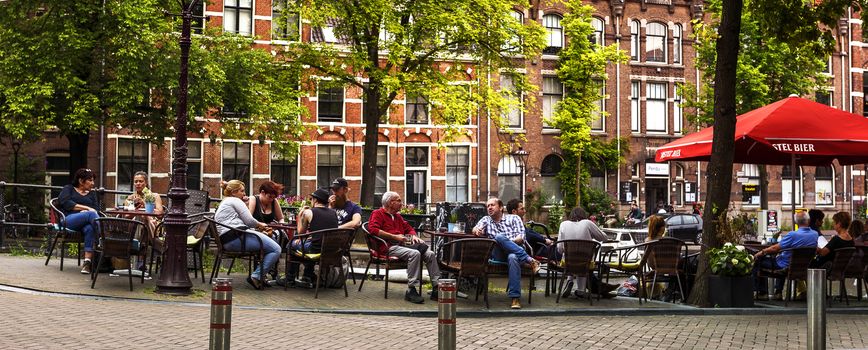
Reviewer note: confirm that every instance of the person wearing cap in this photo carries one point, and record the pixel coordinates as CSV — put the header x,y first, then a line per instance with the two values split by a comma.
x,y
319,217
402,242
349,213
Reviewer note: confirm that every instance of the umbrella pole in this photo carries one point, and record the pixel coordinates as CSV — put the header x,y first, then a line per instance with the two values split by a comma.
x,y
793,187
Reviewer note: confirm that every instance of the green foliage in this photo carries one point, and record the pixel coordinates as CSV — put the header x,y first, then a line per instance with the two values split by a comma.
x,y
29,172
828,224
730,260
533,206
600,154
148,196
556,216
742,224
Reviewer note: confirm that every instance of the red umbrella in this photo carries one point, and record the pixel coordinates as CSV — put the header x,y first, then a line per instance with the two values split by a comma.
x,y
811,132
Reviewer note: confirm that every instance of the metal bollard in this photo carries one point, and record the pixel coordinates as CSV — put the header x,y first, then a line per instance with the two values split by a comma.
x,y
816,309
221,314
446,314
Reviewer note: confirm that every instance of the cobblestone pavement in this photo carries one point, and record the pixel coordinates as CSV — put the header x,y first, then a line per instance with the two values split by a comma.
x,y
48,322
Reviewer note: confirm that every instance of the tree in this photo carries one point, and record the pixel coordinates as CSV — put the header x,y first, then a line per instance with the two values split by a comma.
x,y
76,65
422,48
582,69
793,22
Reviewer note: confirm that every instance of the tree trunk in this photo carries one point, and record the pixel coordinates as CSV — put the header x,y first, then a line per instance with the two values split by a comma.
x,y
371,116
719,171
764,186
578,181
77,152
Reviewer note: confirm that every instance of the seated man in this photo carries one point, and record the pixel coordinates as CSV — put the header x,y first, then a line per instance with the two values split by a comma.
x,y
402,242
508,231
320,217
801,238
349,213
539,243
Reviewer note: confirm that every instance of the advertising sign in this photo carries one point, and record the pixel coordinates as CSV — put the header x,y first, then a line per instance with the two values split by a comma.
x,y
657,169
772,221
750,194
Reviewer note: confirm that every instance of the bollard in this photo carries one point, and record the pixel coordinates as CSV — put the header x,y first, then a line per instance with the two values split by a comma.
x,y
221,314
816,309
446,314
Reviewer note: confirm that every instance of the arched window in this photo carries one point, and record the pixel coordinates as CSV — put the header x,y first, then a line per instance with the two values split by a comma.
x,y
552,23
509,174
597,37
676,44
655,42
786,185
598,179
551,186
634,40
824,185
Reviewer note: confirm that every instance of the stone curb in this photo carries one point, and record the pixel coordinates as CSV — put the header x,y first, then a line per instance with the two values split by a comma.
x,y
680,310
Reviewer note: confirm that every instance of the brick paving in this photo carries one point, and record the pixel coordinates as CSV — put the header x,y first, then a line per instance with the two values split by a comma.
x,y
48,322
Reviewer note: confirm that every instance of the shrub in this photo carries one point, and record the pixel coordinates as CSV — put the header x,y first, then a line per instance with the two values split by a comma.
x,y
730,260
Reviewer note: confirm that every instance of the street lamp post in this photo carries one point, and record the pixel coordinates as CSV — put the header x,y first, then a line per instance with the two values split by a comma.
x,y
173,277
521,158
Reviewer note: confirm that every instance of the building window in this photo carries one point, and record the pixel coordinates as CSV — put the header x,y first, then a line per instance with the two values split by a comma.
x,y
824,185
824,97
553,92
133,156
676,44
551,185
514,43
285,21
416,107
194,163
634,106
329,164
634,40
509,175
634,170
597,37
381,185
598,123
787,187
238,16
655,43
677,113
197,25
330,104
236,162
598,179
655,107
57,170
457,174
285,171
514,114
417,156
552,23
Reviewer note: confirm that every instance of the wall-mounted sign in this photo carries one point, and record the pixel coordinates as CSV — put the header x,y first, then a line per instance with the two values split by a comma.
x,y
750,194
772,221
657,169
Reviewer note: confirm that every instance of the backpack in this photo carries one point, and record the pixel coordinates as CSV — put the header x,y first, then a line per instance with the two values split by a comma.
x,y
333,278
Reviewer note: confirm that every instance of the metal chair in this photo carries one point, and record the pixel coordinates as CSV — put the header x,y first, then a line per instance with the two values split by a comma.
x,y
389,261
253,257
62,234
473,262
840,263
118,238
797,271
662,259
198,234
502,268
333,246
578,260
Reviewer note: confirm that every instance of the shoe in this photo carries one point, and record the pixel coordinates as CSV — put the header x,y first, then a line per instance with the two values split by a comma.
x,y
435,294
534,265
86,267
762,296
567,290
515,304
255,282
282,282
413,296
303,282
777,296
608,288
581,294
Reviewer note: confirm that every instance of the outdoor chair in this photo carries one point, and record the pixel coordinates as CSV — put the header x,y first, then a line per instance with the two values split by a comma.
x,y
626,260
196,203
578,260
797,271
333,248
538,254
840,263
62,234
498,267
662,260
390,262
472,262
858,270
198,236
252,257
119,238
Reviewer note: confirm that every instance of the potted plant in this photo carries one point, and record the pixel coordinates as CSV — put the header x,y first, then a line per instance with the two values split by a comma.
x,y
730,282
150,199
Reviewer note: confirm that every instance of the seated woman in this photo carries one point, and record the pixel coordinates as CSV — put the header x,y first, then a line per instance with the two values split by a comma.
x,y
78,202
232,212
842,239
264,206
137,199
656,228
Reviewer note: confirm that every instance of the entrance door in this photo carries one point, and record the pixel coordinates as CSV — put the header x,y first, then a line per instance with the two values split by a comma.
x,y
417,187
656,192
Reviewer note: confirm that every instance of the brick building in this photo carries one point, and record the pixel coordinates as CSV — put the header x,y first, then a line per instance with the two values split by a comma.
x,y
642,104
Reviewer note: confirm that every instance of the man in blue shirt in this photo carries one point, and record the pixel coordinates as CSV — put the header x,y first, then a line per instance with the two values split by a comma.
x,y
508,231
349,213
804,237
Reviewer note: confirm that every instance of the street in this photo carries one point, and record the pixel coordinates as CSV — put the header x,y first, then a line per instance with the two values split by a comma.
x,y
50,322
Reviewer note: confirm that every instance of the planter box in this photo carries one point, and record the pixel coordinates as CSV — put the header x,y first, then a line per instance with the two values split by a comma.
x,y
730,291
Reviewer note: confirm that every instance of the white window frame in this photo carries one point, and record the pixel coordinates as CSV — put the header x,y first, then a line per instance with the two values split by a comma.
x,y
552,98
601,112
659,34
343,105
466,167
275,14
238,10
677,112
191,158
249,183
507,82
635,43
786,188
635,106
677,49
831,187
599,36
653,91
555,31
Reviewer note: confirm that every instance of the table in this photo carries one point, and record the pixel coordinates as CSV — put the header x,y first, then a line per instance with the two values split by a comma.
x,y
150,224
136,212
287,229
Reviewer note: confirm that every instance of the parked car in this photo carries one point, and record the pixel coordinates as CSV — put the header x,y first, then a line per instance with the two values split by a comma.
x,y
686,227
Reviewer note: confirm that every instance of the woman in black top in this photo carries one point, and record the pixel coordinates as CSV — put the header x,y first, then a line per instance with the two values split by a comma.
x,y
264,205
842,239
78,202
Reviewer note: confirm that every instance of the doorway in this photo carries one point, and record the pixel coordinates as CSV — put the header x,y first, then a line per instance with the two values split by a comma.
x,y
417,188
656,192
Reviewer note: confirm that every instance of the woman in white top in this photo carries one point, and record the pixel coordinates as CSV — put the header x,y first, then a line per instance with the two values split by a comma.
x,y
233,212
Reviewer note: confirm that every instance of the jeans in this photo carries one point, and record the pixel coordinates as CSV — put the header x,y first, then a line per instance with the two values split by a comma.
x,y
514,255
308,265
412,257
761,285
83,221
251,244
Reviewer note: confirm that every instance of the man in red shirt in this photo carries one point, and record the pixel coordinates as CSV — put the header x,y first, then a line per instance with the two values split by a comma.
x,y
402,242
